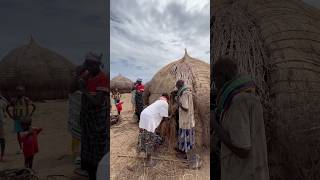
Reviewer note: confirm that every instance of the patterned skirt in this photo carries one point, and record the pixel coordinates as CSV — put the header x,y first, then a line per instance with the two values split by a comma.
x,y
147,141
186,139
139,103
94,136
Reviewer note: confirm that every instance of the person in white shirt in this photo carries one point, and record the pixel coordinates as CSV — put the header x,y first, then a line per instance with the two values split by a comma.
x,y
150,120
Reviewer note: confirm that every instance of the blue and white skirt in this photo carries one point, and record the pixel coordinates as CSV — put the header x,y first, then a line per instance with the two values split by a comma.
x,y
186,139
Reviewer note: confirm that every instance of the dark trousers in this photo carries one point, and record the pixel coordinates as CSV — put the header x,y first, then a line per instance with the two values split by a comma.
x,y
215,167
92,172
3,146
28,161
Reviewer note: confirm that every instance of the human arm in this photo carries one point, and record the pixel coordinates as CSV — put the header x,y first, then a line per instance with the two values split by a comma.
x,y
8,111
237,137
183,101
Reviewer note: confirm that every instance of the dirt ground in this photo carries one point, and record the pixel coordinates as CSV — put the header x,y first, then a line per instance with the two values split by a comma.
x,y
54,157
125,165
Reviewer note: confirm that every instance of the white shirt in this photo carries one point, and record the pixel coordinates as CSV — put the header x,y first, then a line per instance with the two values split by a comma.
x,y
152,115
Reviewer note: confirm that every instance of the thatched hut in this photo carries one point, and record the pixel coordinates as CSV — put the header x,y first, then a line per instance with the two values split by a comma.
x,y
123,84
197,77
146,94
278,43
44,73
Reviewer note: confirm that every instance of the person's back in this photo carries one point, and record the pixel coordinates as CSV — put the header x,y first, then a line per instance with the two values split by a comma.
x,y
244,122
152,115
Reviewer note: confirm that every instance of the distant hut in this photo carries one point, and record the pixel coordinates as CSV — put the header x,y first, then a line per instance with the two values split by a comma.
x,y
44,73
196,74
123,84
278,43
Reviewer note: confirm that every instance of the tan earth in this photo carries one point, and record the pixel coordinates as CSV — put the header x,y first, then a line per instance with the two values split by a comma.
x,y
126,165
54,157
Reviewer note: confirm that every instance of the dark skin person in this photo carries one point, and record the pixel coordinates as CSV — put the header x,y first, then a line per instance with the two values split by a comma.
x,y
180,85
93,68
220,80
20,94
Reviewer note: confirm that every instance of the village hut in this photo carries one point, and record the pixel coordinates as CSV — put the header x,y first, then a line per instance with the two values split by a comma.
x,y
196,74
278,43
146,94
44,73
123,84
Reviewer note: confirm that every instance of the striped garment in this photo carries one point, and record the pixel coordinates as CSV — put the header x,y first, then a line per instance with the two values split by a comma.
x,y
94,137
74,115
139,103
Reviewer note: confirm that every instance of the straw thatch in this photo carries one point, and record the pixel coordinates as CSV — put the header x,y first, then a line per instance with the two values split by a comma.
x,y
146,94
197,76
278,43
123,84
44,73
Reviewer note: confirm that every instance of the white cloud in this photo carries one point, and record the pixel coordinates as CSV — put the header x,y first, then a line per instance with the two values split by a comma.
x,y
148,34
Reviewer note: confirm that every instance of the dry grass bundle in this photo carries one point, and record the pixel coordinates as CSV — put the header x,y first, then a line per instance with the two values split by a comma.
x,y
197,77
123,84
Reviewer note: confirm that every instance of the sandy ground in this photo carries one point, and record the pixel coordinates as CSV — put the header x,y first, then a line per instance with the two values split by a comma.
x,y
54,157
123,142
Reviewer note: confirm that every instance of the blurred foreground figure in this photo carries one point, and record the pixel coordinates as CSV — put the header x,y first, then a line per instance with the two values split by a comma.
x,y
240,126
93,85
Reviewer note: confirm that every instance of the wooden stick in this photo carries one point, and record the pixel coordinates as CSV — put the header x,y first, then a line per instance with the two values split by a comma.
x,y
154,158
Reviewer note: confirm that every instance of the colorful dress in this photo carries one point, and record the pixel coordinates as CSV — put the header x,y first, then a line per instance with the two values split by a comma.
x,y
30,142
20,110
139,99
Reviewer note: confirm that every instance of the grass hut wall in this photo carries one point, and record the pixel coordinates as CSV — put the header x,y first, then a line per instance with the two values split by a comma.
x,y
278,43
44,73
123,84
196,74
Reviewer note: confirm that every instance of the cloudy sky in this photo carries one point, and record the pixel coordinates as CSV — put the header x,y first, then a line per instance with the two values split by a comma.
x,y
70,28
145,35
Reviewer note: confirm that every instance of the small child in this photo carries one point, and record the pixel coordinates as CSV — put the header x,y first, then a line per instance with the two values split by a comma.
x,y
29,139
119,106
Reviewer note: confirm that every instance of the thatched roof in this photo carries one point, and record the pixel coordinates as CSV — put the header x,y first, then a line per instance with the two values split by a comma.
x,y
121,83
45,74
196,74
278,43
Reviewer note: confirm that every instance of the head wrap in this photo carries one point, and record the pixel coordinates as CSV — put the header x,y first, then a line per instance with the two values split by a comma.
x,y
94,57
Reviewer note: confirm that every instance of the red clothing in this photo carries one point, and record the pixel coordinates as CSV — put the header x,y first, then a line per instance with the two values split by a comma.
x,y
30,142
119,106
97,83
139,87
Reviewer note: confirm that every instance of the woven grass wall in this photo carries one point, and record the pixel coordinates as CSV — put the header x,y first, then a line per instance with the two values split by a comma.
x,y
288,34
197,76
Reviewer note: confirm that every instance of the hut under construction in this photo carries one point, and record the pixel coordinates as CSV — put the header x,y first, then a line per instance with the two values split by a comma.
x,y
196,74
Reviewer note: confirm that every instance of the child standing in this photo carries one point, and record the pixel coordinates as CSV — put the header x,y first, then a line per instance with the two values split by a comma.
x,y
29,140
119,106
20,109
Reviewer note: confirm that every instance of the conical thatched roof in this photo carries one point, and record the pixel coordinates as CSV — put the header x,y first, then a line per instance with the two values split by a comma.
x,y
123,84
196,74
45,74
278,43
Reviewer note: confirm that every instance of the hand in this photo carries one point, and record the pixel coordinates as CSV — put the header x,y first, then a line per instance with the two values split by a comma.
x,y
84,75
